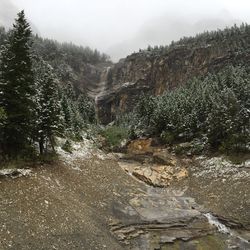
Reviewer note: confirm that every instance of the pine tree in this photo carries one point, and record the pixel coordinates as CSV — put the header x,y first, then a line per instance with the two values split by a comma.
x,y
66,111
17,86
86,108
47,104
2,123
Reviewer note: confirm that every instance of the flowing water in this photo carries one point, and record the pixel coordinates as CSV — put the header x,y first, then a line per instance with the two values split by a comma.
x,y
167,218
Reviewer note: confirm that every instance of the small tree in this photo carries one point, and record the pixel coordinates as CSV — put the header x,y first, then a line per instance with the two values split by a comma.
x,y
47,104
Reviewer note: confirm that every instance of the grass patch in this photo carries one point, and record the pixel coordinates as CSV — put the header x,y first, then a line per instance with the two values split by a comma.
x,y
114,135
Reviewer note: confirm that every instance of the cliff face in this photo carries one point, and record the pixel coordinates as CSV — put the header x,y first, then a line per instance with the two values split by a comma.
x,y
155,71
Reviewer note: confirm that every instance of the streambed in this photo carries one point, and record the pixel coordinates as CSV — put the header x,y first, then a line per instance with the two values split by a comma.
x,y
166,214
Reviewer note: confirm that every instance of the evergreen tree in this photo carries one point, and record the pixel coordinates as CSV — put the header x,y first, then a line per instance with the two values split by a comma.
x,y
2,123
86,108
66,111
17,86
47,105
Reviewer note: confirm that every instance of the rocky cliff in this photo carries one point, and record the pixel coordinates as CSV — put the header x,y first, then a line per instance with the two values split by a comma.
x,y
160,69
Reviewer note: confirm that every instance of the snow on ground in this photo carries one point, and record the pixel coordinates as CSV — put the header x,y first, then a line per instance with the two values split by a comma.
x,y
220,167
82,150
14,173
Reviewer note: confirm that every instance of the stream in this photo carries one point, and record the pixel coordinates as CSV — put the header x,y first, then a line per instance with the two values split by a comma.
x,y
164,216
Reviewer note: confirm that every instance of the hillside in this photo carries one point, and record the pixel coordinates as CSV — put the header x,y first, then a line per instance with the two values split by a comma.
x,y
160,69
79,66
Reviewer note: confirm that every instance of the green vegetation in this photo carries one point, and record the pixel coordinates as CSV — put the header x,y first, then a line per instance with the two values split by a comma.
x,y
114,136
37,99
211,112
17,87
235,39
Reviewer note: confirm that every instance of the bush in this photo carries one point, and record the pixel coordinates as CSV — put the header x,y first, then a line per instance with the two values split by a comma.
x,y
167,137
114,135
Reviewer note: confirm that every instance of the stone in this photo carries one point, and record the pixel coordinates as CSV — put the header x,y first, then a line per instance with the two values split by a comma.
x,y
247,164
140,146
163,157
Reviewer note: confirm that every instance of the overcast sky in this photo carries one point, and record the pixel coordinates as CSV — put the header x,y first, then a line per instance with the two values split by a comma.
x,y
119,27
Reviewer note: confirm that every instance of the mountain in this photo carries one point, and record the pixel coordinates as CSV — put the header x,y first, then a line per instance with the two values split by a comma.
x,y
164,68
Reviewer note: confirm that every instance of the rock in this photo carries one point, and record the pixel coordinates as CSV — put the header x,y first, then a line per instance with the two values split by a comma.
x,y
153,72
15,173
163,157
182,174
148,177
247,164
140,146
167,239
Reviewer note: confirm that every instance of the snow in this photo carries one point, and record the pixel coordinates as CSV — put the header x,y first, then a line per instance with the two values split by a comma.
x,y
14,173
217,167
80,151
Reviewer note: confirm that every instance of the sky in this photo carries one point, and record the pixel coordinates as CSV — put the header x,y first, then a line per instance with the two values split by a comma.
x,y
120,27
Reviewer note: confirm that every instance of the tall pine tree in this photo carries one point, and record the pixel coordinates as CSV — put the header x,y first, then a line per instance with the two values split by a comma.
x,y
17,86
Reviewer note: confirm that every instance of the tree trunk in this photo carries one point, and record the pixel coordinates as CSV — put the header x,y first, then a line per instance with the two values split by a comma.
x,y
41,146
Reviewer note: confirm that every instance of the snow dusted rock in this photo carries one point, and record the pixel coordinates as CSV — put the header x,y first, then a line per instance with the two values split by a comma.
x,y
14,173
247,164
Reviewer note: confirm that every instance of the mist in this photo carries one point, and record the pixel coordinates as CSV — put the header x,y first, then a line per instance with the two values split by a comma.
x,y
119,27
8,12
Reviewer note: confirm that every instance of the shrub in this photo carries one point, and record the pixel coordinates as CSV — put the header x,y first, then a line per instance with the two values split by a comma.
x,y
167,137
114,135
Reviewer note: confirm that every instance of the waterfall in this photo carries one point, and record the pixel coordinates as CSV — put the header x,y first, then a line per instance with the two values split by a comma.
x,y
214,221
222,228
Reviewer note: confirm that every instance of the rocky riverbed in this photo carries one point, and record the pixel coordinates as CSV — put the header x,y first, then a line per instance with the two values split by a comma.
x,y
147,198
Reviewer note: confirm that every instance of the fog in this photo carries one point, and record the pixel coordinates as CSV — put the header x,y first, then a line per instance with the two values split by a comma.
x,y
119,27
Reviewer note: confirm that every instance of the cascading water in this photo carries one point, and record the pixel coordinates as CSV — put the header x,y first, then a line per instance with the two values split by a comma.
x,y
214,221
225,230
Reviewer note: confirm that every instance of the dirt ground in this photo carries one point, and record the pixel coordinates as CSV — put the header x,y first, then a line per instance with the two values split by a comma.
x,y
59,207
88,202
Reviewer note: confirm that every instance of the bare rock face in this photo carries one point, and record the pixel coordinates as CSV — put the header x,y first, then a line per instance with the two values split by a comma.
x,y
155,72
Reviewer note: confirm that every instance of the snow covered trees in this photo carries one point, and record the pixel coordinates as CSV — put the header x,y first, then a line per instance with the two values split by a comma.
x,y
47,111
17,87
34,107
215,108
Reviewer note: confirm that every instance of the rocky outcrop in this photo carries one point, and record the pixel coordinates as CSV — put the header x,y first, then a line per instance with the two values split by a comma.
x,y
155,71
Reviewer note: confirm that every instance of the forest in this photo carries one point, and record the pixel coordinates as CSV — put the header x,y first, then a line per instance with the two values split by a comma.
x,y
212,113
39,102
37,98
